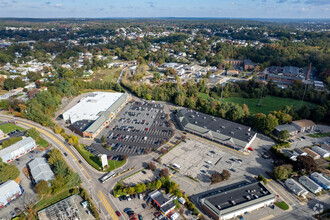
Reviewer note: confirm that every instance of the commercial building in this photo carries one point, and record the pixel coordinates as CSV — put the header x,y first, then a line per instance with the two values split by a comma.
x,y
162,201
290,128
304,125
9,191
321,180
295,187
216,129
40,170
310,184
324,153
227,203
17,150
94,112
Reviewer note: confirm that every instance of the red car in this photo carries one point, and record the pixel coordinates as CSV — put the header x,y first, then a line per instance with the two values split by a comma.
x,y
250,149
118,213
108,126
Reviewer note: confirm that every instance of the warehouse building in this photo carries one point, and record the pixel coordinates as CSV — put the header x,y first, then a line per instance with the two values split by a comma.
x,y
94,112
40,170
9,191
227,203
310,184
295,187
321,180
216,129
17,150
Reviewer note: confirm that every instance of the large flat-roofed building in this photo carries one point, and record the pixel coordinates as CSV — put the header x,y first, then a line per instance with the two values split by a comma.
x,y
9,191
17,150
94,112
216,129
227,203
40,170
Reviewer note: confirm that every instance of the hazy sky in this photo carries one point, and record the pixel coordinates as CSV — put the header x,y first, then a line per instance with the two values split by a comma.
x,y
166,8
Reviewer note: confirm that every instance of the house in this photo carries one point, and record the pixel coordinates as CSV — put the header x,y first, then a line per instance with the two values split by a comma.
x,y
321,180
310,184
312,154
298,152
233,201
40,170
295,187
17,150
9,191
289,154
304,125
321,151
290,128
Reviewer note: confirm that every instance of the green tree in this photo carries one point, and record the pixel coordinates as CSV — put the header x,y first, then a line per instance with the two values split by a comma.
x,y
58,183
283,135
32,132
8,172
282,172
103,139
42,188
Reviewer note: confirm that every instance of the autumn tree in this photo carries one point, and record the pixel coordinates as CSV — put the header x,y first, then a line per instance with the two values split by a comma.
x,y
164,173
152,166
42,188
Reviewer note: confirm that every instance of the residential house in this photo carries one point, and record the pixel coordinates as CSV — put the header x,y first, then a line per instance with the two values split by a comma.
x,y
310,184
304,125
321,180
295,187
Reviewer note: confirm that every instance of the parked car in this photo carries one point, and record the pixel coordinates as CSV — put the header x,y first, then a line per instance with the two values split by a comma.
x,y
118,213
127,210
140,217
144,205
12,214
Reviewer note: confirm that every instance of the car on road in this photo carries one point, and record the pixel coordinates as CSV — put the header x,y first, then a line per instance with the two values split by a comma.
x,y
144,172
118,213
79,161
108,126
65,154
12,213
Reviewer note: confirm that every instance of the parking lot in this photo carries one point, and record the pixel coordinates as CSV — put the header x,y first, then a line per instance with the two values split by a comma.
x,y
199,160
140,125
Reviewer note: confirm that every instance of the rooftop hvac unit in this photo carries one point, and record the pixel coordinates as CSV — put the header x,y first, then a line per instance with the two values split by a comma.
x,y
214,119
204,117
195,122
223,126
233,202
232,132
239,128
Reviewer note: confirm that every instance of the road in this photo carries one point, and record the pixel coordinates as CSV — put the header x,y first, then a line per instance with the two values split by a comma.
x,y
100,193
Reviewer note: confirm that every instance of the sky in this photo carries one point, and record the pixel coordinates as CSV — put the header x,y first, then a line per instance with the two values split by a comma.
x,y
165,8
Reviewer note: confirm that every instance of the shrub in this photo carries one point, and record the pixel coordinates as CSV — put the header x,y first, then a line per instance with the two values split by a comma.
x,y
11,141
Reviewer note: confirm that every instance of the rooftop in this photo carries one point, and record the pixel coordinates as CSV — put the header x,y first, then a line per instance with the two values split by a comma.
x,y
16,146
161,199
304,123
295,187
235,197
290,128
90,107
216,127
40,169
308,183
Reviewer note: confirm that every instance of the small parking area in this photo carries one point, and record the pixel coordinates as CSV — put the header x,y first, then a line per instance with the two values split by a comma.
x,y
140,125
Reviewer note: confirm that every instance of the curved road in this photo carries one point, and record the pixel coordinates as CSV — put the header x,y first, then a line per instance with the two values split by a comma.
x,y
100,193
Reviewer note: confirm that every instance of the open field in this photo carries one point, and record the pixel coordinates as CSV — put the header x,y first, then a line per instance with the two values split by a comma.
x,y
108,75
268,103
319,135
6,128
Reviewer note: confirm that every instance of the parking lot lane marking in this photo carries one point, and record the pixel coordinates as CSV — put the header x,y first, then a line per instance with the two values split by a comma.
x,y
184,180
282,192
234,151
57,141
171,144
107,205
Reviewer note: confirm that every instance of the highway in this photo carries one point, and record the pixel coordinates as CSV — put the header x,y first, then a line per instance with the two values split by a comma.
x,y
100,193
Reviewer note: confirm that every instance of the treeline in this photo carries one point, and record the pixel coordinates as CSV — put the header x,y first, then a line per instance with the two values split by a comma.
x,y
187,95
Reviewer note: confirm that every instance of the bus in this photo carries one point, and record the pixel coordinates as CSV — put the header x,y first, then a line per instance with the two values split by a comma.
x,y
107,176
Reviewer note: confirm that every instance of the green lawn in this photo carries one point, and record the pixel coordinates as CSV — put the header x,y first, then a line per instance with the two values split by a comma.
x,y
319,135
108,75
51,200
42,142
6,128
268,103
282,205
95,162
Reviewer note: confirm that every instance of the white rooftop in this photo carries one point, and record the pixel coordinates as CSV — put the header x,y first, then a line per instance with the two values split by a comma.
x,y
90,107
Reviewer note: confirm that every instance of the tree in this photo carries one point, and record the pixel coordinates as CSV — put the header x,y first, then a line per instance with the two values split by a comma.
x,y
164,173
32,132
216,178
282,172
103,139
125,156
163,150
283,135
58,183
265,123
42,188
305,163
152,166
158,184
225,174
147,150
8,172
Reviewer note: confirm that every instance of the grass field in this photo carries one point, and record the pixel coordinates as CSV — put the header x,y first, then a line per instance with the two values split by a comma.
x,y
108,75
268,103
282,205
45,202
319,135
6,128
42,142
